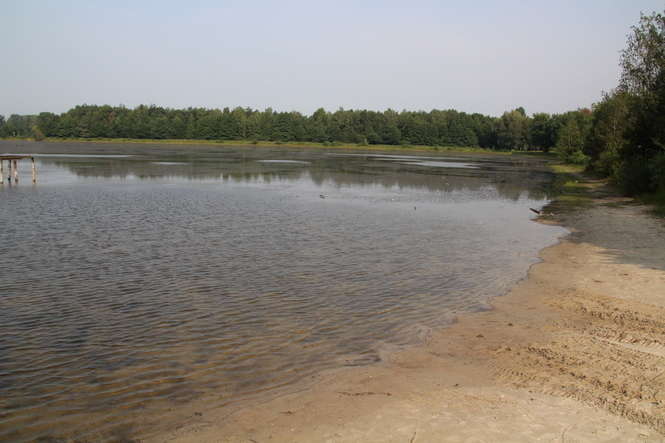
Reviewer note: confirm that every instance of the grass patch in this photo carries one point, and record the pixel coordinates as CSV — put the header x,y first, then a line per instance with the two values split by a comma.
x,y
575,200
573,189
570,188
539,154
567,168
568,181
573,185
285,144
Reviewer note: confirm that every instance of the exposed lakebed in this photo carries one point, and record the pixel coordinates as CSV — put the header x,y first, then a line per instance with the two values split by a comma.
x,y
137,278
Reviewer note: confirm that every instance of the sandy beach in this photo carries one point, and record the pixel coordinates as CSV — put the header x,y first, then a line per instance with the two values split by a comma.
x,y
575,352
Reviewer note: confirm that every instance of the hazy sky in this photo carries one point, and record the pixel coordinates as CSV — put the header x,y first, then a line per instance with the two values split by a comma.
x,y
470,55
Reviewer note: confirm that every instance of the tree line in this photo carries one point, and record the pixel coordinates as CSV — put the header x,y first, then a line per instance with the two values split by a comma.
x,y
626,139
622,136
513,130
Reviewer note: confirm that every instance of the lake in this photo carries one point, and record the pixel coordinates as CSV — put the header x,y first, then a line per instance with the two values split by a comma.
x,y
138,278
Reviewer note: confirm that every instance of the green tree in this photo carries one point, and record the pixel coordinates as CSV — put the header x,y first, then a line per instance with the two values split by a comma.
x,y
47,122
570,143
512,130
37,133
543,131
643,59
572,136
607,136
643,77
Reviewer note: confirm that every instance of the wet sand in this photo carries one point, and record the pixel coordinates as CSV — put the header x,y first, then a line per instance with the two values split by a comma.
x,y
575,352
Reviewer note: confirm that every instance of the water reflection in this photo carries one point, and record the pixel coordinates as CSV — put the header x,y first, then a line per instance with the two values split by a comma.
x,y
509,178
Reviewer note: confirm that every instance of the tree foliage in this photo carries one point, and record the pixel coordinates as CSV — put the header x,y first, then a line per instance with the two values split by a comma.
x,y
574,130
643,59
607,137
512,131
627,140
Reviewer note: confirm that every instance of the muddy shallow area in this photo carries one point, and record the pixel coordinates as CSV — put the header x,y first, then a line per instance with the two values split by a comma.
x,y
575,352
141,281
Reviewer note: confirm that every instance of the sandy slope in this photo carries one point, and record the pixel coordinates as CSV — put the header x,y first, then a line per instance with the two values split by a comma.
x,y
576,352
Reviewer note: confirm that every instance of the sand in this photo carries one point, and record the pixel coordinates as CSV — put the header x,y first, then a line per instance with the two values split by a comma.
x,y
575,352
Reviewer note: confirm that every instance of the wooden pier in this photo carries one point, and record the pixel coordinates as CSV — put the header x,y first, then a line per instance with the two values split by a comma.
x,y
12,168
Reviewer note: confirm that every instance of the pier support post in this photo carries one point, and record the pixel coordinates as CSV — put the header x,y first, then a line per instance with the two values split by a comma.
x,y
2,176
16,171
34,170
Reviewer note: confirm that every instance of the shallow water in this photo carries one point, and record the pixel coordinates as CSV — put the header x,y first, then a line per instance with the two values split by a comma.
x,y
139,277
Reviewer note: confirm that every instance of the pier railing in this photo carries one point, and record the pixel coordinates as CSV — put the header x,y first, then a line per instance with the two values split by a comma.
x,y
12,167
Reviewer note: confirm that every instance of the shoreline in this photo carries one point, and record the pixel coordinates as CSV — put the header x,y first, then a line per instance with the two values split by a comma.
x,y
273,144
575,350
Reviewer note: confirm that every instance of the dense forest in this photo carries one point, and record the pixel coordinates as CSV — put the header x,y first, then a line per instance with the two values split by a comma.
x,y
514,130
622,136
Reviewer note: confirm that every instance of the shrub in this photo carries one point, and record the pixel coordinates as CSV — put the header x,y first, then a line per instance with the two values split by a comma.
x,y
608,163
634,176
574,156
657,173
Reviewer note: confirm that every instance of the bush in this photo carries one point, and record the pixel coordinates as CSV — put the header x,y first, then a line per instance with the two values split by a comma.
x,y
643,175
634,176
577,158
574,156
657,173
607,164
657,200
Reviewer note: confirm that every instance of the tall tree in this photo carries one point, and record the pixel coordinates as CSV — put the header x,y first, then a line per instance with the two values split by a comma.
x,y
607,136
512,130
543,131
643,76
643,59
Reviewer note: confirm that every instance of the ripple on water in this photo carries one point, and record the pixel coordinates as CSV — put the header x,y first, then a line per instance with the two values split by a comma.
x,y
121,301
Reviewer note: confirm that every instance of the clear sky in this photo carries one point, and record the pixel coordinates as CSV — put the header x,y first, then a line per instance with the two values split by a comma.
x,y
470,55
